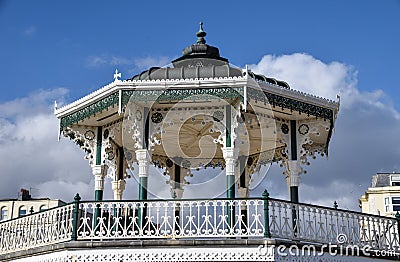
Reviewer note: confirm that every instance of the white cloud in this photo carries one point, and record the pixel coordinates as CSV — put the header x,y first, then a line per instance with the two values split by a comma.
x,y
96,61
33,104
133,65
365,131
30,31
305,73
149,61
106,60
31,156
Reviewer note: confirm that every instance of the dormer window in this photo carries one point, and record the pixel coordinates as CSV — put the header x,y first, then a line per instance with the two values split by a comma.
x,y
395,180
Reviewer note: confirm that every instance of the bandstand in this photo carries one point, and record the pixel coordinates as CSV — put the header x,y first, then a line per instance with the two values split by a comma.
x,y
197,113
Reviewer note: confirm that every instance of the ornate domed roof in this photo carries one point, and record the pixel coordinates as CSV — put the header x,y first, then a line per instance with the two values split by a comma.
x,y
200,60
199,52
197,61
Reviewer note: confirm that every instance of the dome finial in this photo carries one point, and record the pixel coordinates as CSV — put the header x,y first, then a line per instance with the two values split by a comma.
x,y
201,34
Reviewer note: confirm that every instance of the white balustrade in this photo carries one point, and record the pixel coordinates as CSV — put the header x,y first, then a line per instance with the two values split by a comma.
x,y
40,229
198,219
171,219
323,225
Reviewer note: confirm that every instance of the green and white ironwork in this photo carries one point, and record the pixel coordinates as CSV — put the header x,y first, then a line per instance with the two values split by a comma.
x,y
199,219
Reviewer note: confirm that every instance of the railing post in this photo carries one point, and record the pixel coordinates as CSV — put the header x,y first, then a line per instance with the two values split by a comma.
x,y
75,218
267,232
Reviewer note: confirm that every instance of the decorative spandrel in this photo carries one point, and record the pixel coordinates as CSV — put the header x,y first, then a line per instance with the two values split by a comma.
x,y
312,138
85,137
113,152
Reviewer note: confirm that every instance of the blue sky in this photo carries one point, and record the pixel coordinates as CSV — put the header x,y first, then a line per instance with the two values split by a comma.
x,y
49,44
63,50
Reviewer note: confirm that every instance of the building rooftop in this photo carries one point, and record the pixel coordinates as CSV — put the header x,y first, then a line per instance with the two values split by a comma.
x,y
386,179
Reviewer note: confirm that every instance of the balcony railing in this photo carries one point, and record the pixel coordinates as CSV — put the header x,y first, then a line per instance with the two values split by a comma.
x,y
40,229
218,218
324,225
198,219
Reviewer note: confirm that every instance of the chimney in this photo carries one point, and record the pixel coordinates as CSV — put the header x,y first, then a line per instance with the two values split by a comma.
x,y
24,195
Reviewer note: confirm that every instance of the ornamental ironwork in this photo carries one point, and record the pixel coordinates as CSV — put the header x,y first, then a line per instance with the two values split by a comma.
x,y
218,116
106,134
171,95
289,103
151,95
197,218
91,110
89,135
285,128
156,117
303,129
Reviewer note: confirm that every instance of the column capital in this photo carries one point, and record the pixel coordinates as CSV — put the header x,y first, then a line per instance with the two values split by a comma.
x,y
230,152
293,172
118,187
142,155
293,180
143,158
230,155
99,172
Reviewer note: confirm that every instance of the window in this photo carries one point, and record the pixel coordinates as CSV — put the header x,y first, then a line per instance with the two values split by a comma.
x,y
396,203
22,211
387,204
395,180
3,214
43,207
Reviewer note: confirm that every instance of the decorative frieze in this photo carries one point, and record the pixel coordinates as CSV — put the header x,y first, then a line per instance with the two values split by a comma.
x,y
170,95
223,253
90,110
289,103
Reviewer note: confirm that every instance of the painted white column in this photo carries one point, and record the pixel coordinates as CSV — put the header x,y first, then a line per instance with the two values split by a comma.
x,y
293,172
230,155
143,159
118,188
99,172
